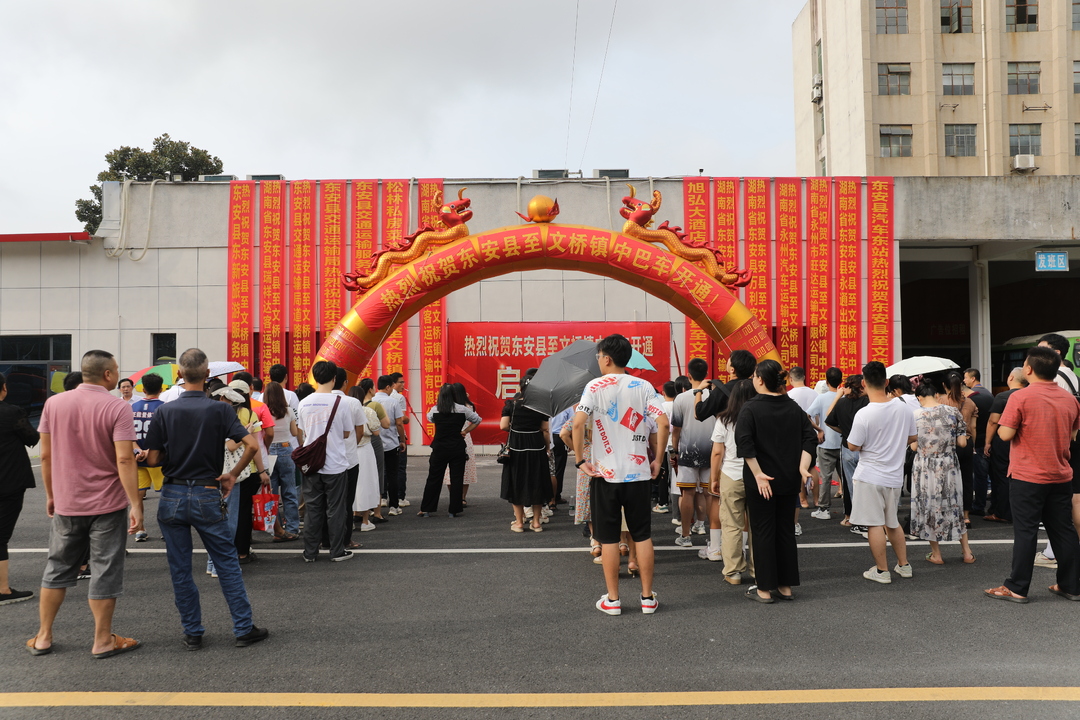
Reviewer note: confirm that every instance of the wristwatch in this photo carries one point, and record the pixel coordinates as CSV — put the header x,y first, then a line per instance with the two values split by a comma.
x,y
579,464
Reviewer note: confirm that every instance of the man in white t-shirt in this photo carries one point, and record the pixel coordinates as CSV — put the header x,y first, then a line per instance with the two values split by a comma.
x,y
352,452
324,490
615,407
828,452
880,433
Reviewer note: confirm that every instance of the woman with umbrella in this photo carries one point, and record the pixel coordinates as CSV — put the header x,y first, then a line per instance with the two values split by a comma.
x,y
526,477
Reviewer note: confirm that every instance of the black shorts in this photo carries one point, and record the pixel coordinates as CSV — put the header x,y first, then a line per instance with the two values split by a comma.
x,y
610,501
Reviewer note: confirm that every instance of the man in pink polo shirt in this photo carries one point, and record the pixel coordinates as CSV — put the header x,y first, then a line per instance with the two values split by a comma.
x,y
90,479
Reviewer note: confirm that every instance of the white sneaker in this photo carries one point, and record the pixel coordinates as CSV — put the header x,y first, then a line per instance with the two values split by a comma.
x,y
1045,562
393,511
684,541
676,521
404,503
611,607
698,528
367,527
821,514
546,511
879,576
903,571
706,554
382,503
798,529
528,512
348,554
649,604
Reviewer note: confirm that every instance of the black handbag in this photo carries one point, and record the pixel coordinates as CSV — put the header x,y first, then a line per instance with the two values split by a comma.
x,y
503,456
311,457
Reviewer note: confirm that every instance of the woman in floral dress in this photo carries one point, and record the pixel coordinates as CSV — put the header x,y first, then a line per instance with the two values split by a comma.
x,y
937,507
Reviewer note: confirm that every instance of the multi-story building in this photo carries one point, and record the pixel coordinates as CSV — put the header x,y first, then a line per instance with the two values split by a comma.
x,y
937,87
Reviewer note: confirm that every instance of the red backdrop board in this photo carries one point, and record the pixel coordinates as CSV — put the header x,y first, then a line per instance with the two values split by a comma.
x,y
758,249
880,268
819,274
789,275
241,278
491,358
848,275
272,274
302,283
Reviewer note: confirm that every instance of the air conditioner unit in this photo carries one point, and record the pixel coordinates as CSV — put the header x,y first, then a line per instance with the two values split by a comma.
x,y
817,80
1024,163
815,94
612,174
261,178
217,178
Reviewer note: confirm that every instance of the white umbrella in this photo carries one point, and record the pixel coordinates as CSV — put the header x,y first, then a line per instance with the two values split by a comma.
x,y
920,365
224,367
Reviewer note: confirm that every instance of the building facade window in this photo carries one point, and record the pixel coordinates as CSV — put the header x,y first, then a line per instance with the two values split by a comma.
x,y
958,79
956,16
895,141
1023,78
35,367
1021,15
960,140
1076,76
1076,15
1076,139
163,348
1025,140
891,17
894,78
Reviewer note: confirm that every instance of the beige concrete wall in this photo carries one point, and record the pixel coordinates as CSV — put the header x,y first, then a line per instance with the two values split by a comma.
x,y
804,66
845,25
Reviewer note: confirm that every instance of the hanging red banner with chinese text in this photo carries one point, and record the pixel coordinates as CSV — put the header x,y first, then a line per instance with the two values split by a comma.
x,y
696,202
789,274
241,280
848,275
364,235
758,247
880,268
725,194
272,318
698,345
432,316
819,276
332,208
302,283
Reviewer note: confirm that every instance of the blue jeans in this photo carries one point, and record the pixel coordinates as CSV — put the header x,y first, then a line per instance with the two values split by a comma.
x,y
283,483
180,509
233,518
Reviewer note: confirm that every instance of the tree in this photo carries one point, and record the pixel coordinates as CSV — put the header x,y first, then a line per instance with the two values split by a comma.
x,y
168,157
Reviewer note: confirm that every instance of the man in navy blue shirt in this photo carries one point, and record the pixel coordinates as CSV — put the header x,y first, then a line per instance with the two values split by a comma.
x,y
187,438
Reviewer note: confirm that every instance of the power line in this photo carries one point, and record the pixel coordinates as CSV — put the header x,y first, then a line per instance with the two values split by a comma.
x,y
573,67
599,83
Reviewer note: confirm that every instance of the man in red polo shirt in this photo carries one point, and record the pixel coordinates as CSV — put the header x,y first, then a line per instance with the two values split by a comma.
x,y
1040,421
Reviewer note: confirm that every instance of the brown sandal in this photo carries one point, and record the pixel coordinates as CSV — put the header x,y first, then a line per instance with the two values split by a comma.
x,y
1004,593
120,645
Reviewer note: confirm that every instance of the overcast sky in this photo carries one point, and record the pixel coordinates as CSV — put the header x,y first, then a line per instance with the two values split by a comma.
x,y
363,89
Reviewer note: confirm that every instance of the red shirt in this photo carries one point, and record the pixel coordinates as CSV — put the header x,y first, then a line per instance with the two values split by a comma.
x,y
264,414
1044,417
82,425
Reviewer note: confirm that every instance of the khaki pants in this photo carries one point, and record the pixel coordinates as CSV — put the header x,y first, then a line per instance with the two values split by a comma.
x,y
733,520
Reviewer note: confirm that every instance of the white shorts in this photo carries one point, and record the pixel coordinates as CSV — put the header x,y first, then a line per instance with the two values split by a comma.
x,y
874,505
691,477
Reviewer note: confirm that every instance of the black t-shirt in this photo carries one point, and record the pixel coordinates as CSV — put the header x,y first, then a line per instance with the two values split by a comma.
x,y
1000,400
717,400
984,401
191,430
843,414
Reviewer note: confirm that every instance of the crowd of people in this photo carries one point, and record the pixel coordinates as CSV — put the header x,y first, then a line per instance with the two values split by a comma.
x,y
745,455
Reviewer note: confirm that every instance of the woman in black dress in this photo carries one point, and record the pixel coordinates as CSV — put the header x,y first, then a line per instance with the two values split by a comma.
x,y
778,443
526,477
453,422
16,477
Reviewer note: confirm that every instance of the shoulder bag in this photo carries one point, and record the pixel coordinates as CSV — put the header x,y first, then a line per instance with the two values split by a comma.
x,y
311,457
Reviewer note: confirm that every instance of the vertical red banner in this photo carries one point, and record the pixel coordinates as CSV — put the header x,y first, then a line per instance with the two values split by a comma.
x,y
756,222
789,272
364,234
880,269
819,277
395,215
433,316
302,282
241,250
848,275
725,191
332,204
271,274
698,345
696,209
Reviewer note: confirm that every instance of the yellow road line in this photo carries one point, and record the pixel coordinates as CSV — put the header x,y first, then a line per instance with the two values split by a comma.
x,y
535,700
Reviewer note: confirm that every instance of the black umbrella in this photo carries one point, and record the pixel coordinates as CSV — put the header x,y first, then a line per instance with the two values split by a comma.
x,y
562,377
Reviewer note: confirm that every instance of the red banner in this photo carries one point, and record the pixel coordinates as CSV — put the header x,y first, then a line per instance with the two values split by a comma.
x,y
241,251
332,205
880,269
696,209
364,235
819,275
395,210
432,317
302,287
271,274
789,275
491,358
756,214
849,275
698,345
725,192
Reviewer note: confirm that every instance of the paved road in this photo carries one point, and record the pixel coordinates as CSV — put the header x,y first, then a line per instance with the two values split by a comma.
x,y
466,606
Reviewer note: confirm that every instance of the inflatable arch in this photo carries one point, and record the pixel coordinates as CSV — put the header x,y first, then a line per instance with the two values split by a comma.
x,y
444,268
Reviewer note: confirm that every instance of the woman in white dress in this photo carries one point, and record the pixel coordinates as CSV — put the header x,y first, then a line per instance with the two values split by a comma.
x,y
367,482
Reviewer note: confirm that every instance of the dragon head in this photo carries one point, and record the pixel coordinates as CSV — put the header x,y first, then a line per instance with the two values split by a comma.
x,y
455,212
639,211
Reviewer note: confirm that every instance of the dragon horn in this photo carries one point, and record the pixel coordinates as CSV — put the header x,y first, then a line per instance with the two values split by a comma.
x,y
655,204
633,190
437,199
461,192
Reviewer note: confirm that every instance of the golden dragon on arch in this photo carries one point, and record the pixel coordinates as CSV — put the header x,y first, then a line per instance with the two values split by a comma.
x,y
639,216
451,226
